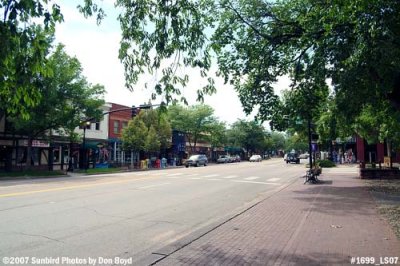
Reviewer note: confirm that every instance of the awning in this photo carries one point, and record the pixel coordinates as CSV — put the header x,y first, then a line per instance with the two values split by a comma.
x,y
232,149
94,144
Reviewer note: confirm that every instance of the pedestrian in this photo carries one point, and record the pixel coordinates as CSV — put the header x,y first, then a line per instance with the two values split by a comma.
x,y
70,164
334,156
350,155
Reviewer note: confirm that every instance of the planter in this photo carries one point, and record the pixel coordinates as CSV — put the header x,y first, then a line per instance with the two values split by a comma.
x,y
376,173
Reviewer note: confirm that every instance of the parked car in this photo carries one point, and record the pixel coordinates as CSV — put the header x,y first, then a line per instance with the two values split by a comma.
x,y
196,160
231,159
255,158
292,158
223,159
236,158
304,156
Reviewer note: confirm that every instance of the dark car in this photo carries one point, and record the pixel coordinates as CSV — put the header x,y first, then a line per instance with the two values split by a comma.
x,y
292,158
196,160
236,158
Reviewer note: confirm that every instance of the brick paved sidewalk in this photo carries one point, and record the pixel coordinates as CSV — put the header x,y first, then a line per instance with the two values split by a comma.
x,y
322,224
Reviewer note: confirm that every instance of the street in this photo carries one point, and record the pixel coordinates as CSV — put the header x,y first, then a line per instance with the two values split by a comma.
x,y
134,215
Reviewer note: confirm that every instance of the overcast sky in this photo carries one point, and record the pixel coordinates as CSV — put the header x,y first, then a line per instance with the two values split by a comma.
x,y
96,47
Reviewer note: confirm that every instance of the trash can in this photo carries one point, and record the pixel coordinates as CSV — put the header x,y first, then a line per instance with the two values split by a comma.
x,y
163,163
143,164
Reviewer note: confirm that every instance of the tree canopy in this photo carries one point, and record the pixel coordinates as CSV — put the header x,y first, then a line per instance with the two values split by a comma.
x,y
350,47
197,122
26,30
249,135
157,119
134,135
66,99
149,131
353,45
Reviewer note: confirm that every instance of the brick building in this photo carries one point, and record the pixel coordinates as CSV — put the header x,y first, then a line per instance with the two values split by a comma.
x,y
119,117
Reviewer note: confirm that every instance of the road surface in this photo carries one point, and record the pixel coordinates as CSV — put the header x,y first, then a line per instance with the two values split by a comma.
x,y
134,215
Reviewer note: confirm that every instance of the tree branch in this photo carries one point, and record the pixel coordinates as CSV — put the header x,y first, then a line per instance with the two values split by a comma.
x,y
6,10
247,23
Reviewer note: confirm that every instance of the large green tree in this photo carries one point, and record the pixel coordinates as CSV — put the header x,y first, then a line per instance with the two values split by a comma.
x,y
197,122
278,141
149,131
134,135
296,142
158,120
217,138
26,32
67,99
151,143
249,135
353,44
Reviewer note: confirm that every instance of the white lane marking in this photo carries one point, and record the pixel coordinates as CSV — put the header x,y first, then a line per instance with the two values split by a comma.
x,y
195,178
192,175
139,174
214,175
173,177
158,174
151,186
176,174
273,179
251,178
230,176
256,182
214,179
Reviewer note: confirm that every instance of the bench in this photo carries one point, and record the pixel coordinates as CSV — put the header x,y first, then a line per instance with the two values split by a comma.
x,y
312,175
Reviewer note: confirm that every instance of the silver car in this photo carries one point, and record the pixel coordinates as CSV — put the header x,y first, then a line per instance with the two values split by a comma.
x,y
196,160
223,159
255,158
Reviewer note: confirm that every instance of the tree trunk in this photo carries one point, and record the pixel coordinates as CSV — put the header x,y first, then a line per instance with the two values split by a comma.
x,y
28,165
190,143
389,152
70,163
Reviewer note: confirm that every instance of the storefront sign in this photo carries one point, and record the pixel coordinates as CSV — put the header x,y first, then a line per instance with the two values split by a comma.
x,y
314,147
37,143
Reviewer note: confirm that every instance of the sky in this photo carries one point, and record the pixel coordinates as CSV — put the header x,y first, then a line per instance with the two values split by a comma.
x,y
96,47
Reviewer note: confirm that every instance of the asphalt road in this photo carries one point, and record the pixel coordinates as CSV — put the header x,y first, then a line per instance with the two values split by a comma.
x,y
133,215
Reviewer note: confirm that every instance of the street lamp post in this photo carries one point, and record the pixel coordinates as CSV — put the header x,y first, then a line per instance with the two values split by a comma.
x,y
84,159
310,143
312,175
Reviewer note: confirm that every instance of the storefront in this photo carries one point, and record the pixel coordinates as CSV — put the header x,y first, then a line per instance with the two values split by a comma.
x,y
97,153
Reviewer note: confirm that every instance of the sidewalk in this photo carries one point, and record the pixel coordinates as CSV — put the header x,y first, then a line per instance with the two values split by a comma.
x,y
322,224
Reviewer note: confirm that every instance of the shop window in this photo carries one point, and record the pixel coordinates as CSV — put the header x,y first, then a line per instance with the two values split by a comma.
x,y
56,153
66,154
97,125
87,126
116,127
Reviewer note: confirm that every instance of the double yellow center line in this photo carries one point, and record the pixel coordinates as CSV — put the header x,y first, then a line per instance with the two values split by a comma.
x,y
22,193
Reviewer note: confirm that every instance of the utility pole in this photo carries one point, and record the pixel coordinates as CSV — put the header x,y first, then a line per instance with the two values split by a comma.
x,y
310,143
